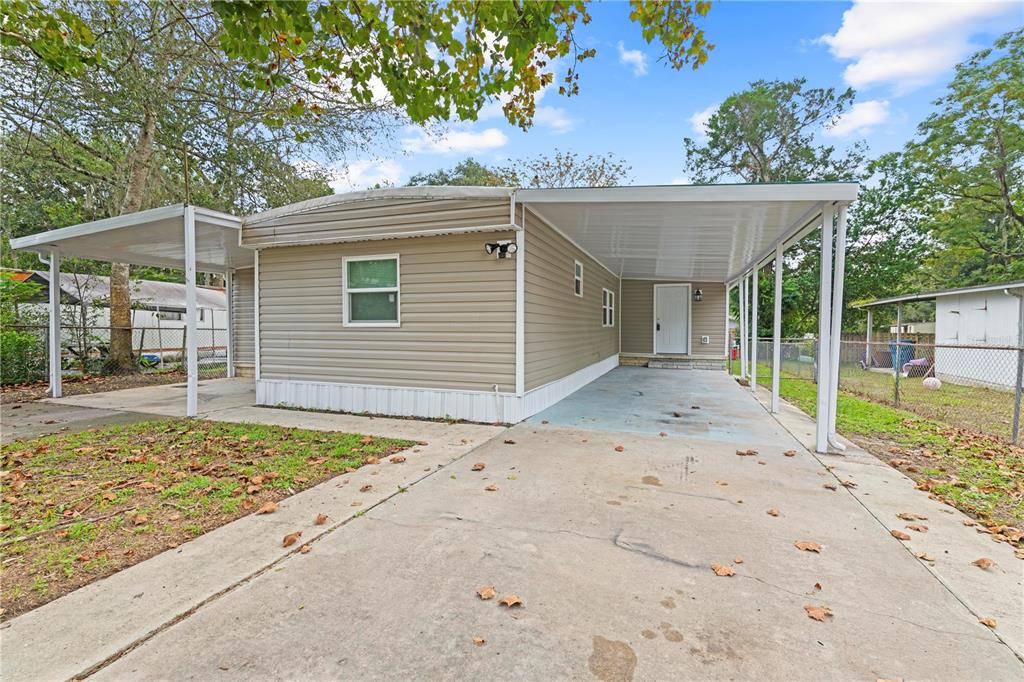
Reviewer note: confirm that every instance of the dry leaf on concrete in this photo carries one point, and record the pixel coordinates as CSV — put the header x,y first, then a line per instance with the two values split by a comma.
x,y
818,612
723,571
807,546
984,563
291,539
511,600
320,519
899,535
486,592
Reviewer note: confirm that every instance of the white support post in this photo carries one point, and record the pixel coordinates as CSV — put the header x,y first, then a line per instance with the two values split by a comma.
x,y
728,351
520,256
824,332
753,332
191,351
53,342
229,286
743,327
777,330
837,326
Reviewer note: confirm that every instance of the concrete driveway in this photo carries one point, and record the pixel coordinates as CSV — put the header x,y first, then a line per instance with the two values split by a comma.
x,y
610,552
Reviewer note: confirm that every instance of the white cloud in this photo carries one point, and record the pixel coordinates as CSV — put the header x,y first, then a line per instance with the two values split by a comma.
x,y
633,58
909,44
699,120
680,180
419,141
860,119
365,173
555,119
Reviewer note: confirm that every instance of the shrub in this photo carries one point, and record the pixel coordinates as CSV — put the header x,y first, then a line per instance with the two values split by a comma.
x,y
22,357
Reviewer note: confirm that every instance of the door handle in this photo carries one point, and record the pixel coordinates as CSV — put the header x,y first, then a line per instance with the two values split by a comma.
x,y
657,326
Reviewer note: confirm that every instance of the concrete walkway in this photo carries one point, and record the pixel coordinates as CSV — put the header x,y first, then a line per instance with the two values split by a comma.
x,y
605,530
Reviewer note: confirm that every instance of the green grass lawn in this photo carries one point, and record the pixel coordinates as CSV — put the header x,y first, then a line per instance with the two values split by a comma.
x,y
978,473
78,507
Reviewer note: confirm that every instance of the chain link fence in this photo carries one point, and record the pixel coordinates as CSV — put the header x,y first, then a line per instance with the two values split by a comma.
x,y
84,350
975,387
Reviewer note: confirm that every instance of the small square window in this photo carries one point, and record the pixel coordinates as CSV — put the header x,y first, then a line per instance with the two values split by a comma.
x,y
371,291
577,281
607,308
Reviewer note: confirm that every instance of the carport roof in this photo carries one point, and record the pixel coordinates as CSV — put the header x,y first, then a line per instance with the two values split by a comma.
x,y
712,233
155,237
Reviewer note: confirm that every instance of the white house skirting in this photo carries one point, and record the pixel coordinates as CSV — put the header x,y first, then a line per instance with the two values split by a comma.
x,y
431,403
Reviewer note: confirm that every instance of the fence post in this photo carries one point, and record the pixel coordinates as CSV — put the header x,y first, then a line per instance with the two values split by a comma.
x,y
1020,368
896,359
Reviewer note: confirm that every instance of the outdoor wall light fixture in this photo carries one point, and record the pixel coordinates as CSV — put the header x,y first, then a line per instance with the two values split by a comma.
x,y
698,295
501,249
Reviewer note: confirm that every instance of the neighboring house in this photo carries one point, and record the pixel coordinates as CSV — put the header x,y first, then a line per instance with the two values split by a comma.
x,y
985,319
158,311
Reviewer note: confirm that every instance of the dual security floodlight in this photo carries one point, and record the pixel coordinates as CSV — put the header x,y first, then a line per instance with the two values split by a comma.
x,y
501,249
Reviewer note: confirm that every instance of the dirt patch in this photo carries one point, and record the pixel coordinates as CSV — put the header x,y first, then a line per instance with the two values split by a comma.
x,y
22,393
612,661
78,507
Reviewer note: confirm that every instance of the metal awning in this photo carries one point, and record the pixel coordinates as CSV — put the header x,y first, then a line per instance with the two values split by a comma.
x,y
154,237
704,233
932,295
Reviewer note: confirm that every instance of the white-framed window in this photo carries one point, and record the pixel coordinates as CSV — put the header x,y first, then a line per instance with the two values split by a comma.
x,y
370,289
607,308
577,278
169,315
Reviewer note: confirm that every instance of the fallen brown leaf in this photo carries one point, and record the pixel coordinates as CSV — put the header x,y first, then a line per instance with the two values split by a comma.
x,y
479,641
479,466
988,622
320,519
511,600
910,516
830,486
305,549
773,512
807,546
818,612
268,507
817,586
486,592
662,434
746,453
140,519
366,488
491,488
924,556
969,522
899,535
397,459
619,448
723,571
738,560
848,484
919,527
372,460
366,440
790,453
248,504
291,539
984,563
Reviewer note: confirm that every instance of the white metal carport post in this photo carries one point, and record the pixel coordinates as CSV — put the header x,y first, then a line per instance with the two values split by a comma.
x,y
743,327
229,286
753,332
191,354
824,332
777,330
53,342
837,326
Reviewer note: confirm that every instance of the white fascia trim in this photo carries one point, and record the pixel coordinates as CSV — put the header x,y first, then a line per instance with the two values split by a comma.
x,y
761,192
567,238
52,237
389,194
256,312
438,232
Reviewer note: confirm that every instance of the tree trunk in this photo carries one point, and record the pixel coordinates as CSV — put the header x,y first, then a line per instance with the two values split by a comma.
x,y
121,360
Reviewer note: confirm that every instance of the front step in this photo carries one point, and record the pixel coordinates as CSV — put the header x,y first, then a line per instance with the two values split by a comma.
x,y
685,363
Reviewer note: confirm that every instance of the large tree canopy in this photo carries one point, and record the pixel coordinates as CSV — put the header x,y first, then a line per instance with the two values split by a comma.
x,y
967,162
769,133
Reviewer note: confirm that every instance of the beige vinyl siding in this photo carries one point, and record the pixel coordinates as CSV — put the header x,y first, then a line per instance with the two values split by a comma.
x,y
376,218
707,317
457,312
243,315
563,331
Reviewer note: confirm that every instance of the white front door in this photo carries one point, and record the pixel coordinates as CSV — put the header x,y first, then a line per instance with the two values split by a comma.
x,y
672,319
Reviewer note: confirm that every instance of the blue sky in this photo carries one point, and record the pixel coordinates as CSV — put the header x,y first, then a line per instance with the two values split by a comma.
x,y
897,56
